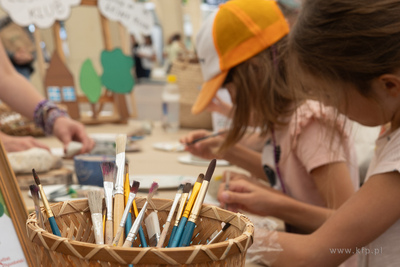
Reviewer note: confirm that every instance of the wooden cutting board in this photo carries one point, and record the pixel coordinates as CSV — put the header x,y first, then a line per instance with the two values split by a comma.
x,y
58,176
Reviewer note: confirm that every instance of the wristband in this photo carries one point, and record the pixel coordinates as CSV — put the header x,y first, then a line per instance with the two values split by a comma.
x,y
45,115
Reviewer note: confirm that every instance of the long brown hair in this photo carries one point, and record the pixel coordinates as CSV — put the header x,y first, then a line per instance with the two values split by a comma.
x,y
347,42
262,97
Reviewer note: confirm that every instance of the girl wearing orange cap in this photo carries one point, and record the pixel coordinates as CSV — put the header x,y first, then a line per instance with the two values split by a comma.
x,y
242,47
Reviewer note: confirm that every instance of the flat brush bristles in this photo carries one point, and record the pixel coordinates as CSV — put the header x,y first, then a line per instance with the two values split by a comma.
x,y
152,191
36,177
187,188
96,206
120,143
180,189
95,201
35,196
108,169
200,178
210,170
135,187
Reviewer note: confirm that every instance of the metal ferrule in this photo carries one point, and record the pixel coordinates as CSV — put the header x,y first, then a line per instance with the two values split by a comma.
x,y
45,202
127,209
108,195
192,199
119,183
173,207
199,201
137,223
215,237
181,207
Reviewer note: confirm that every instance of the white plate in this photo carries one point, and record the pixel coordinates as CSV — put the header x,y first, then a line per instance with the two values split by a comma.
x,y
189,159
169,146
164,181
48,189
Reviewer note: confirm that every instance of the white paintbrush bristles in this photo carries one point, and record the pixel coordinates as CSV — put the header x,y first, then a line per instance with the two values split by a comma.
x,y
153,228
96,205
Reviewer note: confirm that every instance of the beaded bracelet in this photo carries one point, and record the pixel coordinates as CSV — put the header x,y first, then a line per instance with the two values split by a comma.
x,y
45,115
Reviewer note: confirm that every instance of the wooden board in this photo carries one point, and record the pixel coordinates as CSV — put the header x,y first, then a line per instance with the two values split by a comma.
x,y
58,176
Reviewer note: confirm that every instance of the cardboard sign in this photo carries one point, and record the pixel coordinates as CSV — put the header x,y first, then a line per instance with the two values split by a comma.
x,y
42,13
11,253
117,71
132,15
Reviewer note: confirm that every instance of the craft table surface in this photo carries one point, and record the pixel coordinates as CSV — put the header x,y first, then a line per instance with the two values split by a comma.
x,y
148,160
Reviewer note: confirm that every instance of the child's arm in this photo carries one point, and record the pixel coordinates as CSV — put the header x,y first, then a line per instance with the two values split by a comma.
x,y
364,217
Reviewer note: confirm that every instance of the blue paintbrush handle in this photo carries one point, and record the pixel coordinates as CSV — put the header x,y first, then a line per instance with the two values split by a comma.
x,y
187,234
172,235
179,232
54,227
128,224
142,237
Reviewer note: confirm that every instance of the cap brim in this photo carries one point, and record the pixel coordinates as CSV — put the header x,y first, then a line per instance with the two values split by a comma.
x,y
208,91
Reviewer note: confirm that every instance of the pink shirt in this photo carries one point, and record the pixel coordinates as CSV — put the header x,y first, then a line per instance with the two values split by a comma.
x,y
306,143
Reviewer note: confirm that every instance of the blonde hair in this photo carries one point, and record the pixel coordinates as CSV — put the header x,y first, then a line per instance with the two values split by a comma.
x,y
345,42
262,97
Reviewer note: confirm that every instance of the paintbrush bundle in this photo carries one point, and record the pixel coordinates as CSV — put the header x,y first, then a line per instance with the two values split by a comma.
x,y
77,219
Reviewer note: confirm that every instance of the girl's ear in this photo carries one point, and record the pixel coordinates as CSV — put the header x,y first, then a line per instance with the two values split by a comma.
x,y
390,83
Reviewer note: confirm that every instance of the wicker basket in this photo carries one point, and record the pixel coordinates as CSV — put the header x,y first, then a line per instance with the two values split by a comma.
x,y
76,246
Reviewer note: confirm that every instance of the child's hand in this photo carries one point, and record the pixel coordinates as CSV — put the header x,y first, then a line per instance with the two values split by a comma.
x,y
248,196
217,105
206,148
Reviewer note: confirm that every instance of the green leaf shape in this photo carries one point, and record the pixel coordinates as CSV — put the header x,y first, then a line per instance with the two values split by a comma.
x,y
90,81
117,71
3,207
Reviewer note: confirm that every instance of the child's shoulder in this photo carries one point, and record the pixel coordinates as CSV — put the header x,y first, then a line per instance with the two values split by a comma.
x,y
315,113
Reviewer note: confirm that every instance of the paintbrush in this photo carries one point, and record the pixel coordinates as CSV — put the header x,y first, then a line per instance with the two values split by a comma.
x,y
50,216
219,233
135,227
188,208
35,196
96,206
153,228
205,137
170,214
120,144
194,214
132,194
228,178
127,189
141,232
108,169
182,203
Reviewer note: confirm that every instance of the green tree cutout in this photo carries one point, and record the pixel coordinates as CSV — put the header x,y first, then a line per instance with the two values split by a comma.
x,y
3,207
117,75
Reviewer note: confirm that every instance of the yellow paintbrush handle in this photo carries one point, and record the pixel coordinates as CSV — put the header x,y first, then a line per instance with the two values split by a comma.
x,y
118,211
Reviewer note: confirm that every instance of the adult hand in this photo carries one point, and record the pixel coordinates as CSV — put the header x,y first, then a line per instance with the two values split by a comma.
x,y
67,130
206,148
20,143
249,196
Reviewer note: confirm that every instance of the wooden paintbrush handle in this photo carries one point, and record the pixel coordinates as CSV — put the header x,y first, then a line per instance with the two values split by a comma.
x,y
127,243
118,211
163,235
109,232
118,235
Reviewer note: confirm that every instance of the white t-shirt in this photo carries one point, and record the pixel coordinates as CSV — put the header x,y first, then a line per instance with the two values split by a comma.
x,y
148,51
385,250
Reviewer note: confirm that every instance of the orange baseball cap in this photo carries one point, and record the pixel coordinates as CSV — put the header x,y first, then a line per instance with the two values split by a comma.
x,y
237,31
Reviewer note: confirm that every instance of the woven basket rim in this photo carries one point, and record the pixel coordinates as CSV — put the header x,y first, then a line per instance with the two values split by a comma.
x,y
64,208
